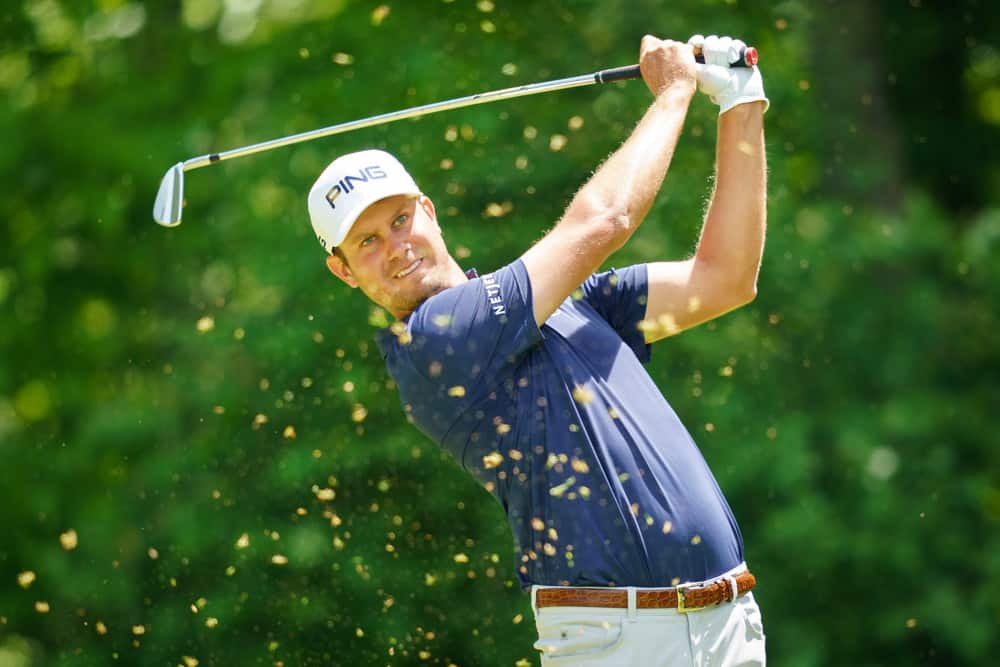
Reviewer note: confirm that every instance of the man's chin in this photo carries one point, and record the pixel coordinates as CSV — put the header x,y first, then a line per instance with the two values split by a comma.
x,y
411,299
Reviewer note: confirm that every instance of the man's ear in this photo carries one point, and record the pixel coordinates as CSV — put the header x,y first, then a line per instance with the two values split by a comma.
x,y
340,269
428,207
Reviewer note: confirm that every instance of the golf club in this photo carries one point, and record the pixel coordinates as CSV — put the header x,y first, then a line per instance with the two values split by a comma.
x,y
170,198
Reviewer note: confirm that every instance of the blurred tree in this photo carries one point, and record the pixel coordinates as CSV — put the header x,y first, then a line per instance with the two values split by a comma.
x,y
205,462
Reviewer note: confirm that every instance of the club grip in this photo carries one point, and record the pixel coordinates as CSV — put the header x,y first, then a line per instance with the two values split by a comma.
x,y
748,58
617,74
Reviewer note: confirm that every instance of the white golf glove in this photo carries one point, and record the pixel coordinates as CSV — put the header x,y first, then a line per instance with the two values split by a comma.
x,y
727,86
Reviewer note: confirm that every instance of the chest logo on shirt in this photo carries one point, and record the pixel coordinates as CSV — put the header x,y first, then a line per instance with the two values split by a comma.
x,y
493,295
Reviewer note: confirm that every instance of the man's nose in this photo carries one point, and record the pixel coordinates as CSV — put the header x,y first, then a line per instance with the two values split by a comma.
x,y
399,246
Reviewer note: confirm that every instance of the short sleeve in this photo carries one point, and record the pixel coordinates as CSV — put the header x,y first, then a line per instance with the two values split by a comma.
x,y
619,296
463,332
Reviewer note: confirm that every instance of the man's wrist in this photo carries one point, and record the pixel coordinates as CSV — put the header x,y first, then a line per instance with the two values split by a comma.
x,y
678,92
746,108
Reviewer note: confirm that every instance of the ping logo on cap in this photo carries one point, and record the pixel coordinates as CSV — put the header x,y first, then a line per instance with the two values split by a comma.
x,y
349,182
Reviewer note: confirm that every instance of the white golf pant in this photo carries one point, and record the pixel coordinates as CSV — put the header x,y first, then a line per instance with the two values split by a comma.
x,y
728,635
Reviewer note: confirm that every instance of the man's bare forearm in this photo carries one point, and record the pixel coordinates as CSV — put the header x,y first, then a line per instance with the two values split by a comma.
x,y
626,184
732,239
617,197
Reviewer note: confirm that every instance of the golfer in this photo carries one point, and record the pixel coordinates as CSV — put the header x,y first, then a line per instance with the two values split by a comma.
x,y
532,376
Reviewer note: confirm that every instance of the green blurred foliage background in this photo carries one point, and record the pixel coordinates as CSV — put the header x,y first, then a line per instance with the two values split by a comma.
x,y
204,461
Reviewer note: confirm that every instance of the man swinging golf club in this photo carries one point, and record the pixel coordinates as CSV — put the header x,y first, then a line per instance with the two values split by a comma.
x,y
531,376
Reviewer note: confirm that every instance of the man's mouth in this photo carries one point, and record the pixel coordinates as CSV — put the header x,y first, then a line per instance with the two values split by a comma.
x,y
409,269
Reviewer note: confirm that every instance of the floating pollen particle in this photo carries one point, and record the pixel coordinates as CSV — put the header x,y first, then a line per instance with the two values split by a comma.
x,y
68,540
492,460
560,489
25,579
498,209
325,494
398,328
379,14
582,395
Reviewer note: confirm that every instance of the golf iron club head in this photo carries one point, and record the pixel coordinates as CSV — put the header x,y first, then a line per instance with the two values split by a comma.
x,y
170,198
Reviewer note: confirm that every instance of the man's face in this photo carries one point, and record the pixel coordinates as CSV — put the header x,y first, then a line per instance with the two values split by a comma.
x,y
395,253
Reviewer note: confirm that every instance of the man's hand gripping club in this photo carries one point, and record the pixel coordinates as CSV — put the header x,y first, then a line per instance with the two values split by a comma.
x,y
727,86
667,65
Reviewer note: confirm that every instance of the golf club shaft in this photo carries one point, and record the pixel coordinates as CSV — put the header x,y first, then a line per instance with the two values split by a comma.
x,y
747,58
457,103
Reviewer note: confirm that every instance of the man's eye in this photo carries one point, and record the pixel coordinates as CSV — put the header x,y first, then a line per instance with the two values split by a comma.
x,y
401,220
368,240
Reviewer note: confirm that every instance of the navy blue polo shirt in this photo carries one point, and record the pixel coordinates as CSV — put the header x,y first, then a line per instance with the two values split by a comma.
x,y
601,483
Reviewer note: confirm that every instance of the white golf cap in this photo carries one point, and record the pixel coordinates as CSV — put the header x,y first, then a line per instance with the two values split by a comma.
x,y
352,183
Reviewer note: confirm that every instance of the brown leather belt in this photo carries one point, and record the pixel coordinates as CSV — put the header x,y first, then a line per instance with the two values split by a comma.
x,y
681,598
